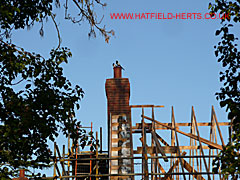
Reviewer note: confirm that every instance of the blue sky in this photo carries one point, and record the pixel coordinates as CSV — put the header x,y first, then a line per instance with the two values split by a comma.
x,y
168,62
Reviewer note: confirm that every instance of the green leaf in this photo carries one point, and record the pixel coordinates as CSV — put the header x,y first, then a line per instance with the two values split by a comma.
x,y
209,6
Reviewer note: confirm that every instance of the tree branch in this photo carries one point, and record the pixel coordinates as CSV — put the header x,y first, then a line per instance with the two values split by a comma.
x,y
59,37
17,82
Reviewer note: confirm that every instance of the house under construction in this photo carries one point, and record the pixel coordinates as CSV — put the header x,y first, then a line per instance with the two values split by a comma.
x,y
157,156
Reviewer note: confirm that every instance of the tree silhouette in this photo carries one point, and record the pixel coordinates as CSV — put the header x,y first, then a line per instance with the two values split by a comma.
x,y
227,52
44,102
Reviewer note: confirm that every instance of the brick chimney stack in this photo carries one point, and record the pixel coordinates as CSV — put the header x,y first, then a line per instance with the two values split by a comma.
x,y
117,72
118,93
119,123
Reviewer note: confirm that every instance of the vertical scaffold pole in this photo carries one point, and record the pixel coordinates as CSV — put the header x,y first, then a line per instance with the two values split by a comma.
x,y
97,178
55,160
91,157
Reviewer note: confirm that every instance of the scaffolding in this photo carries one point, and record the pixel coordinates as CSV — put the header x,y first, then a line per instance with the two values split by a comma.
x,y
158,157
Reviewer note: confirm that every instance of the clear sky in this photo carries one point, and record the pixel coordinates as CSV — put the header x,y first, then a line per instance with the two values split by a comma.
x,y
169,62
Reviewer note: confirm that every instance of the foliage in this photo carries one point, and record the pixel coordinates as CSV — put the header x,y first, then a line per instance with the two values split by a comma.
x,y
228,54
37,102
19,14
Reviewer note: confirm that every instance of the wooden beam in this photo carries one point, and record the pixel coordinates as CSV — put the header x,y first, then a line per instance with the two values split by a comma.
x,y
178,149
162,140
160,150
145,156
153,161
230,131
200,143
61,162
190,169
212,132
215,133
140,131
157,126
68,154
172,168
139,150
100,139
97,178
160,167
55,159
59,173
168,149
172,144
63,155
219,130
188,134
144,152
